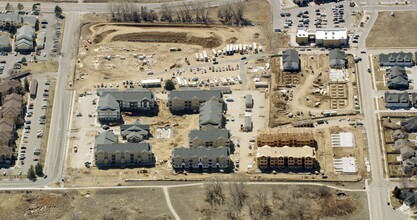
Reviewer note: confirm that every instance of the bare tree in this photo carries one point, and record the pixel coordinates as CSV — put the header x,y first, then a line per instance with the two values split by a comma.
x,y
214,193
238,193
166,13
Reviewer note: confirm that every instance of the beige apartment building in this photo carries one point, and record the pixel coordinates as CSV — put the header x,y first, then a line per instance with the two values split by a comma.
x,y
285,157
287,137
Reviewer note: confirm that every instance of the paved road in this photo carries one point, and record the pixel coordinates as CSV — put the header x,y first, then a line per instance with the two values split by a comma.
x,y
55,157
378,189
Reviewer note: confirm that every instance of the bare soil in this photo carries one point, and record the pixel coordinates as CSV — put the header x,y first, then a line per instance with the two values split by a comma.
x,y
281,202
92,204
398,30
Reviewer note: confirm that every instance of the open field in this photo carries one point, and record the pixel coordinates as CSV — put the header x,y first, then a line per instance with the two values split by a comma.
x,y
92,204
278,202
398,30
47,66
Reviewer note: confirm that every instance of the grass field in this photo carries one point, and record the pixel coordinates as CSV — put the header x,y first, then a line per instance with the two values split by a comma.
x,y
394,31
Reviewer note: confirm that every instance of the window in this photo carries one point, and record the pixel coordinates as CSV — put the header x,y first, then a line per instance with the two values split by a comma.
x,y
132,158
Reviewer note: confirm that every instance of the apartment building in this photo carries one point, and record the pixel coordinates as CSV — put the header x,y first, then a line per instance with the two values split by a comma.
x,y
209,138
285,157
189,100
201,158
211,115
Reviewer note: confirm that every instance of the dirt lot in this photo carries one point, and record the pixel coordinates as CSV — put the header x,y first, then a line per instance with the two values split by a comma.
x,y
47,66
277,202
308,93
398,31
101,204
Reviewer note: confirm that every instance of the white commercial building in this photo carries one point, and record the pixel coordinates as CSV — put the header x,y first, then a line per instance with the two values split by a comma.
x,y
325,37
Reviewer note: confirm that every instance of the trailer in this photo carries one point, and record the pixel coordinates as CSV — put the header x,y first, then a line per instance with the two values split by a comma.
x,y
254,47
214,53
196,57
201,57
239,79
147,83
205,56
33,88
261,84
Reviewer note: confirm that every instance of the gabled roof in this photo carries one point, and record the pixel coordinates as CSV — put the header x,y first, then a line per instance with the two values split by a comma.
x,y
396,58
25,32
211,153
4,42
106,138
397,78
399,134
188,95
13,96
9,84
129,95
396,97
337,54
291,56
30,20
211,113
409,124
208,135
401,143
108,102
6,150
10,17
124,147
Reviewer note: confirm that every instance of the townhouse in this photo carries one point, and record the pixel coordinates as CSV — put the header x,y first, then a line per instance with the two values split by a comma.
x,y
189,100
201,158
285,157
209,138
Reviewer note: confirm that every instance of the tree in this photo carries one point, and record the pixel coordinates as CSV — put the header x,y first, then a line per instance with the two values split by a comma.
x,y
58,11
20,6
34,7
31,173
24,60
39,169
169,85
26,84
9,7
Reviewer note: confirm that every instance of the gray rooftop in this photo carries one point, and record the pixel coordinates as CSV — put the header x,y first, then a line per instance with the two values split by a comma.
x,y
291,56
202,95
337,57
130,147
200,152
134,129
396,97
108,102
400,58
128,94
106,138
211,113
10,17
25,32
4,42
208,135
31,20
397,78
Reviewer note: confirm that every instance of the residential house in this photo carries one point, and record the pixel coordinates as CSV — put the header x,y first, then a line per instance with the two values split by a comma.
x,y
396,100
135,132
409,166
397,78
409,124
5,44
396,59
201,158
337,59
189,100
296,137
6,155
408,197
211,115
285,157
399,134
413,99
124,155
24,39
209,138
291,60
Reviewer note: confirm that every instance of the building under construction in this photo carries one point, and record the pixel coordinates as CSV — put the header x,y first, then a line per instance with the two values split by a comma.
x,y
287,137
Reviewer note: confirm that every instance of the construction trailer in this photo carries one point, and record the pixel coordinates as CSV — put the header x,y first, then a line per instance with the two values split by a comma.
x,y
33,88
147,83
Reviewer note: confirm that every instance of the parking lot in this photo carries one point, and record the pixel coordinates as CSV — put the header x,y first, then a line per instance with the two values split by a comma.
x,y
47,24
329,15
84,131
244,148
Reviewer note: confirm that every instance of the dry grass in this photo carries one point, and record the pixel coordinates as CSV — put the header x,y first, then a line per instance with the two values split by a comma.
x,y
397,31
